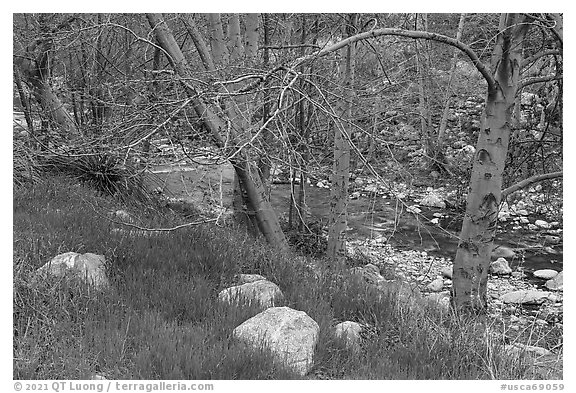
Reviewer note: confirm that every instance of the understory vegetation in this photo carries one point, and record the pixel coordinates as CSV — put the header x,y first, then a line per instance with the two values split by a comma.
x,y
162,320
188,149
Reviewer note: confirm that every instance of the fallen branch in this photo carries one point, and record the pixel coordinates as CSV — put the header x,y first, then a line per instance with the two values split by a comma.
x,y
188,224
531,180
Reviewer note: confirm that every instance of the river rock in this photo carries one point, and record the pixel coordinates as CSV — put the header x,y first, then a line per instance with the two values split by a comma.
x,y
500,267
436,285
349,333
406,294
502,252
262,292
88,268
556,283
441,299
248,278
529,296
370,273
289,335
123,215
542,224
447,271
518,275
433,200
546,274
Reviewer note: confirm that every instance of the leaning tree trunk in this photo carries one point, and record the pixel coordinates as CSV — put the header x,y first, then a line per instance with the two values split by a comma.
x,y
35,69
245,167
339,195
472,261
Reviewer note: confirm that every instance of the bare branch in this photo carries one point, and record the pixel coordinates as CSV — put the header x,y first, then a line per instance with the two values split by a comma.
x,y
531,180
538,55
289,46
540,79
480,66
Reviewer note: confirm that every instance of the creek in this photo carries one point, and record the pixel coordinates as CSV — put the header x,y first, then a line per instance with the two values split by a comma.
x,y
377,216
368,217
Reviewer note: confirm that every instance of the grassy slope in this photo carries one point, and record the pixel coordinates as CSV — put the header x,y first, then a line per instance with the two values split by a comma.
x,y
162,320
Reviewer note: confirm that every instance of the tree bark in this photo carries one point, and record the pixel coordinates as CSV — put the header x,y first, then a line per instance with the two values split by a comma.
x,y
338,220
472,261
243,164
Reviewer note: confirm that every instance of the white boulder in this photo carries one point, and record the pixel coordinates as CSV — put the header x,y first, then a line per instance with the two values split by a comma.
x,y
88,268
289,335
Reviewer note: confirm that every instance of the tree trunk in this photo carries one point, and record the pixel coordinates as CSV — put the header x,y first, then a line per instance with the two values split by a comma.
x,y
340,178
472,261
35,69
251,36
264,162
444,119
236,48
24,101
216,38
299,210
243,164
421,66
199,42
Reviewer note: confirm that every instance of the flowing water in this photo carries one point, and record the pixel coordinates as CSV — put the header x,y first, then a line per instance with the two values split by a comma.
x,y
368,217
378,216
